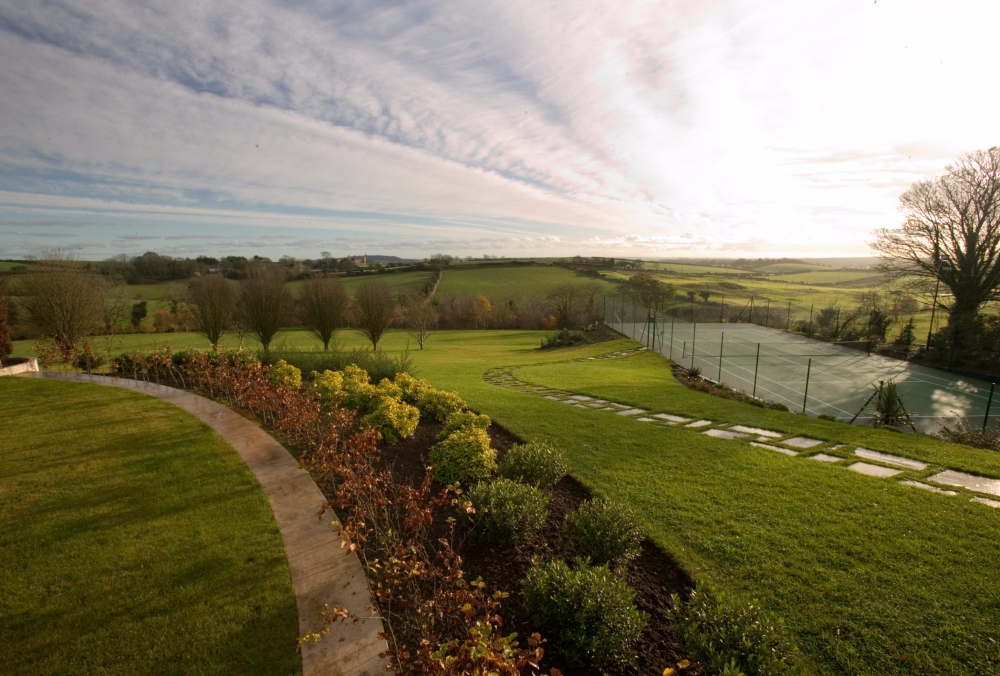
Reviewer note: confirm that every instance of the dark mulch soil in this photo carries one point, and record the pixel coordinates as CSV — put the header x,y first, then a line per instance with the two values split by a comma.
x,y
653,575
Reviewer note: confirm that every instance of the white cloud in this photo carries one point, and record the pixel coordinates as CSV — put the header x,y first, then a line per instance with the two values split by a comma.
x,y
669,127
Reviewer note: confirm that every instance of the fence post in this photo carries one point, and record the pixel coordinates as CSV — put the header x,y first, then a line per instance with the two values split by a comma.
x,y
767,315
986,418
810,331
684,349
788,317
755,365
694,334
722,309
671,339
722,341
805,395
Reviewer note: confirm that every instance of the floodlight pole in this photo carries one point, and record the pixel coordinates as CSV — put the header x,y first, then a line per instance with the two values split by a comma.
x,y
767,314
722,341
986,418
805,395
943,266
756,364
671,339
694,334
722,309
809,332
788,317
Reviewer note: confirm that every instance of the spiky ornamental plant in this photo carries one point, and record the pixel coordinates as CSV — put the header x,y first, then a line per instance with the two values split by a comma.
x,y
890,410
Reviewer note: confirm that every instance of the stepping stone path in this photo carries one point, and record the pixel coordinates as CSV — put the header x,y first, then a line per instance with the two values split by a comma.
x,y
801,442
772,448
927,487
888,459
762,438
873,470
723,434
972,482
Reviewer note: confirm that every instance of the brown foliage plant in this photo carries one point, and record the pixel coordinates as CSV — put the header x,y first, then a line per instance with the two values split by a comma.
x,y
437,622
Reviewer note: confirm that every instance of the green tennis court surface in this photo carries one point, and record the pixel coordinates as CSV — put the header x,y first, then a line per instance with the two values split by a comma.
x,y
840,379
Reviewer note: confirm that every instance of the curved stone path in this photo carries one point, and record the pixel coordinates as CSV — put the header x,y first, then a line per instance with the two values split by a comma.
x,y
322,571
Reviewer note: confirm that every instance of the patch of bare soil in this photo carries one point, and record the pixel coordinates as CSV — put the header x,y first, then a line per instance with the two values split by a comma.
x,y
653,575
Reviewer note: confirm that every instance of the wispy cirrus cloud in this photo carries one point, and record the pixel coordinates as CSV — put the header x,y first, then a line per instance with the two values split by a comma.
x,y
679,126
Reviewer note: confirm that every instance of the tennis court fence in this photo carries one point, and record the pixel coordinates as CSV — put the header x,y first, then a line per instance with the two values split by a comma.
x,y
809,375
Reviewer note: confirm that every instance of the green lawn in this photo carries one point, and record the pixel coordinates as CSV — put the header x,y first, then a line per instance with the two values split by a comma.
x,y
133,540
872,577
517,282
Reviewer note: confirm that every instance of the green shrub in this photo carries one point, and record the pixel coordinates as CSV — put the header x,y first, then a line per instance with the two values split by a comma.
x,y
741,638
411,387
438,404
756,402
590,612
359,393
507,511
775,406
128,364
378,365
285,375
393,419
536,463
329,385
464,456
565,338
827,416
90,361
605,531
463,420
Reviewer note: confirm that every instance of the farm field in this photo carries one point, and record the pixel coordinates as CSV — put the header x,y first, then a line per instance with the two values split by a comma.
x,y
827,276
521,282
398,282
785,268
132,538
853,563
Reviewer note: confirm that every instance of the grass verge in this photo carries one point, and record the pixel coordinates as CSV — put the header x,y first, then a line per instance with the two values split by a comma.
x,y
133,540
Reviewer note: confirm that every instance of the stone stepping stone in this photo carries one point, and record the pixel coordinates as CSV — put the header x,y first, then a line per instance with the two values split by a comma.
x,y
823,457
758,431
769,447
873,470
972,482
587,408
569,401
801,442
645,419
619,406
549,396
703,423
671,418
926,487
581,397
888,459
723,434
631,411
987,502
596,404
837,447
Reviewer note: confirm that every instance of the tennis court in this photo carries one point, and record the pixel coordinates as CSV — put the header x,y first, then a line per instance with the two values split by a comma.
x,y
811,375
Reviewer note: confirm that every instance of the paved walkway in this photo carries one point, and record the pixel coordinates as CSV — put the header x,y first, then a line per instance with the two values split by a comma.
x,y
322,571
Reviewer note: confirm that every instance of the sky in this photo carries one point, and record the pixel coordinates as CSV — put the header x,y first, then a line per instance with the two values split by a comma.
x,y
711,128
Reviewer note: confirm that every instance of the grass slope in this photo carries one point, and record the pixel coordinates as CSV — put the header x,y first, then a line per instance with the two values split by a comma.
x,y
133,548
504,282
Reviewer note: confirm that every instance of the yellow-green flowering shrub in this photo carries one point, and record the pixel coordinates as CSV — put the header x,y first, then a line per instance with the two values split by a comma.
x,y
465,456
329,385
360,394
463,420
411,387
438,404
387,388
393,419
286,375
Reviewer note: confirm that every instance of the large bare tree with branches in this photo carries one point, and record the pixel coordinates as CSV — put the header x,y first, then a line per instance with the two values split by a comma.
x,y
264,303
62,300
323,302
951,233
373,311
214,300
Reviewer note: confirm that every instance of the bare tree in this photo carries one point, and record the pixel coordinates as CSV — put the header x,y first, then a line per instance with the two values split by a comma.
x,y
214,300
116,299
373,310
563,301
264,303
951,233
323,302
62,301
589,292
421,319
